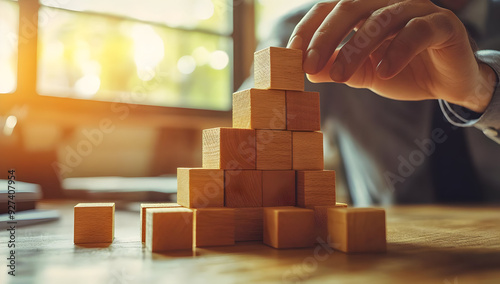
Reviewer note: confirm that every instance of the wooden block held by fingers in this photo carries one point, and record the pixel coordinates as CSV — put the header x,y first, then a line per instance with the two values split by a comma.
x,y
278,188
213,227
229,148
307,148
200,188
259,109
94,223
279,68
357,230
288,227
274,150
243,188
144,206
248,224
302,111
169,229
315,188
321,221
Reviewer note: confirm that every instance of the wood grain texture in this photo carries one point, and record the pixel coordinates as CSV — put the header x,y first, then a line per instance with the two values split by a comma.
x,y
143,214
169,229
357,230
288,227
321,222
229,148
94,223
315,188
248,224
274,150
307,151
278,188
302,111
213,227
259,109
200,188
279,68
243,188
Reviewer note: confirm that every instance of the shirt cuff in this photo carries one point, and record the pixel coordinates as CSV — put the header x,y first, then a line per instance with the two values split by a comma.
x,y
489,121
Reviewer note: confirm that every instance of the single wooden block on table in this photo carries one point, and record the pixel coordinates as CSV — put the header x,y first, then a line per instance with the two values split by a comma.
x,y
248,224
302,111
213,227
321,221
274,150
229,148
315,188
200,188
357,230
144,206
94,223
169,229
243,188
259,109
288,227
279,68
278,188
307,150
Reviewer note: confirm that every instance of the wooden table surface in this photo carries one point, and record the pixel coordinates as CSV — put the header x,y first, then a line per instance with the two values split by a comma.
x,y
426,244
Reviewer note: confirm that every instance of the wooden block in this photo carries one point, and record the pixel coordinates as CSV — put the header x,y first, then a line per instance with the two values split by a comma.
x,y
213,227
307,151
169,229
274,150
315,188
279,68
143,214
302,111
278,188
357,230
288,227
229,148
243,188
259,109
321,221
248,224
200,188
94,223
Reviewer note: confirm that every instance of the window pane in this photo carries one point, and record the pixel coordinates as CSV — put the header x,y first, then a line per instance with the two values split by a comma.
x,y
213,15
269,11
9,24
104,58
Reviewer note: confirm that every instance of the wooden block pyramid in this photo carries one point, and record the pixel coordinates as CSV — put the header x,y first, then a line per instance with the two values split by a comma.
x,y
264,178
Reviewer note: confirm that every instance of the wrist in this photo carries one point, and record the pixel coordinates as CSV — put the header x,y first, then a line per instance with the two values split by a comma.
x,y
481,96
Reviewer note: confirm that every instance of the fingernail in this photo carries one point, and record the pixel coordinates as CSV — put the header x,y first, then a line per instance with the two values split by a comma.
x,y
383,68
295,42
311,62
337,71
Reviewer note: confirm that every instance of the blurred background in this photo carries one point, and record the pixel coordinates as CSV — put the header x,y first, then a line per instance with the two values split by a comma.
x,y
95,90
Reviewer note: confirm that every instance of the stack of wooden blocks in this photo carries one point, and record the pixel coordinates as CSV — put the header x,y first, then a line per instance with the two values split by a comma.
x,y
263,179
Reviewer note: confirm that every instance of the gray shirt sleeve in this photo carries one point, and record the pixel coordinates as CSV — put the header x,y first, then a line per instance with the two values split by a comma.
x,y
489,121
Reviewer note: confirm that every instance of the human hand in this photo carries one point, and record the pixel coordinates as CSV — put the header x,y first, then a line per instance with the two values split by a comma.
x,y
402,49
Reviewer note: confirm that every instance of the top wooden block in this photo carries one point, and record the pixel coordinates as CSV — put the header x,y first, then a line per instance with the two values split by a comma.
x,y
279,68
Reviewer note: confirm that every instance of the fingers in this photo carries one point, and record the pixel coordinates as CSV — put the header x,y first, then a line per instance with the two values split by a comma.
x,y
336,26
303,32
380,25
435,31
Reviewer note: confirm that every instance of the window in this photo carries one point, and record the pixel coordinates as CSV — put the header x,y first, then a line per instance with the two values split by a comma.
x,y
9,21
269,11
154,52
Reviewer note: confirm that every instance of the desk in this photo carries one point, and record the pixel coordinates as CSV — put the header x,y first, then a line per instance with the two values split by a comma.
x,y
426,244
